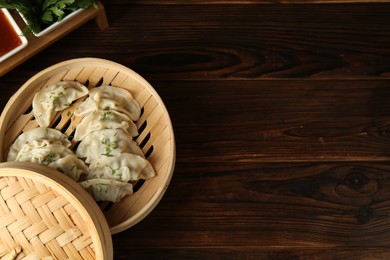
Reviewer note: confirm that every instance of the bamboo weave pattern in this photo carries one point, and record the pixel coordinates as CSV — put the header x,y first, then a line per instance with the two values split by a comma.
x,y
40,223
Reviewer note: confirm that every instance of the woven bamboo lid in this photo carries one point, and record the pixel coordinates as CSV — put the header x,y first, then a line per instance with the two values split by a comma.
x,y
46,215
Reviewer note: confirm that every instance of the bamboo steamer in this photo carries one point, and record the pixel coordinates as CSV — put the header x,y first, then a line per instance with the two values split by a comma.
x,y
156,136
46,215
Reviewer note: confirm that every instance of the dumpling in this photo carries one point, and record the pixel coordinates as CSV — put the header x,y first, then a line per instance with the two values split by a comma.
x,y
124,167
42,151
107,190
107,142
56,156
104,119
37,134
71,166
110,98
55,98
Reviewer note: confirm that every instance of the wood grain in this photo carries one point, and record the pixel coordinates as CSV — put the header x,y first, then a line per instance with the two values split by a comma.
x,y
254,253
281,120
236,41
203,2
271,206
284,120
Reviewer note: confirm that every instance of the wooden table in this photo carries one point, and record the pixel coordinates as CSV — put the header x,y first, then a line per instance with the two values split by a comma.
x,y
282,122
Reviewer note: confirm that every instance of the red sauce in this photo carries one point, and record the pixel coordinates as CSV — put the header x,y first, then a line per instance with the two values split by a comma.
x,y
9,40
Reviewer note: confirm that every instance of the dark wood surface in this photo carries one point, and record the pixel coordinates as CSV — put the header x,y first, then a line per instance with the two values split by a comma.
x,y
281,115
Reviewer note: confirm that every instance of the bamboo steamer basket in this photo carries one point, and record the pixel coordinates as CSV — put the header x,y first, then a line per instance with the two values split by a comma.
x,y
155,138
46,215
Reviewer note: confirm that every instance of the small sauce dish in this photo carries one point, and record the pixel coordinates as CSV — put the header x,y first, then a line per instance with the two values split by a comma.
x,y
12,39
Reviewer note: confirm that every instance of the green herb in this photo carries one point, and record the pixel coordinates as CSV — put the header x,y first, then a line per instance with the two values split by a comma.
x,y
58,99
71,168
42,13
115,172
106,115
109,146
51,157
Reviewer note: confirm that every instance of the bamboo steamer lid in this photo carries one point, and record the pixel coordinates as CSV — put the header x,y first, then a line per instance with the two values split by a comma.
x,y
46,215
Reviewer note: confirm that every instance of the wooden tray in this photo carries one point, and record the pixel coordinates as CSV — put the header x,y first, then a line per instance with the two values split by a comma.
x,y
156,133
45,214
37,44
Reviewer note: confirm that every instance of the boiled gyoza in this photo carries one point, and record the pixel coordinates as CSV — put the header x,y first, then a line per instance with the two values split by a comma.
x,y
104,119
125,167
110,98
55,98
107,142
71,166
54,155
103,138
107,190
37,134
